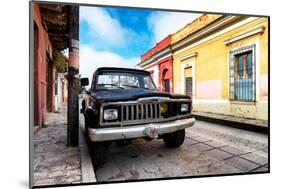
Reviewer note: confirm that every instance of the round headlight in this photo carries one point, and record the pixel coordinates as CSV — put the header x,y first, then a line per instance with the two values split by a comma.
x,y
163,108
110,114
184,108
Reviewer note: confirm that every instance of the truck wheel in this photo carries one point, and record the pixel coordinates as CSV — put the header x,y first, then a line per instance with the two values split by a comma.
x,y
99,152
175,139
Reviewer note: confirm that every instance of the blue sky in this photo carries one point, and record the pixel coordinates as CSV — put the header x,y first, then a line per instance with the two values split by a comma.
x,y
119,36
135,34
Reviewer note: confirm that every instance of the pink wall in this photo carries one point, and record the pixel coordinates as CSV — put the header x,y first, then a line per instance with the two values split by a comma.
x,y
211,89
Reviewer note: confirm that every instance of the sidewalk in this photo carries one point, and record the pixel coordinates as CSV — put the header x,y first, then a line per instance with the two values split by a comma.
x,y
54,162
237,122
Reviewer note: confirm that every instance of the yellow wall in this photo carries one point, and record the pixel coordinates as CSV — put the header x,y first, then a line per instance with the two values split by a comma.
x,y
188,72
212,65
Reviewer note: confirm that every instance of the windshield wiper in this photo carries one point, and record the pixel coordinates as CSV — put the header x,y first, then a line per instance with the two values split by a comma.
x,y
111,85
134,86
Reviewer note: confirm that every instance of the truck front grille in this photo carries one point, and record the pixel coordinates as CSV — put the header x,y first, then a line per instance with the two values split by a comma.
x,y
134,112
142,111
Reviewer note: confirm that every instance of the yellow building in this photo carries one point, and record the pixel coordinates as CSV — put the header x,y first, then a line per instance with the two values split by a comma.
x,y
222,61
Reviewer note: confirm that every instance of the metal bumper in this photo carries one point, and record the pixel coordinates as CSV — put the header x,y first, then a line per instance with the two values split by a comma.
x,y
152,130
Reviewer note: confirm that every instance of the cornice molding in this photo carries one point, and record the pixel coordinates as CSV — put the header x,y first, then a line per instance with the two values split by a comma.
x,y
244,35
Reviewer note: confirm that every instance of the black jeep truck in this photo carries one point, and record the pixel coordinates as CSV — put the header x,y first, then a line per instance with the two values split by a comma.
x,y
124,104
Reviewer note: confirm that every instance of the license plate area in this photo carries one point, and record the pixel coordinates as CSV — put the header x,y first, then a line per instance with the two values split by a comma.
x,y
151,132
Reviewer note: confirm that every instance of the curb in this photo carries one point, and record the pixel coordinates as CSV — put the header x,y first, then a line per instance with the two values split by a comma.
x,y
87,169
234,124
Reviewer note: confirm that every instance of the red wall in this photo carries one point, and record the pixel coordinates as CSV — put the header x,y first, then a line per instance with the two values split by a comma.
x,y
162,65
166,72
40,69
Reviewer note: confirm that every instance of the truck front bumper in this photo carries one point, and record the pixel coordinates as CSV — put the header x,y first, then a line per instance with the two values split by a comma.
x,y
152,130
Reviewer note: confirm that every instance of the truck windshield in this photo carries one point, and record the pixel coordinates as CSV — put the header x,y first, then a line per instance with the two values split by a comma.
x,y
115,80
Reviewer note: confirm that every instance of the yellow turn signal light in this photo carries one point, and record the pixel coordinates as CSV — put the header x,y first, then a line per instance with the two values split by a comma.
x,y
163,108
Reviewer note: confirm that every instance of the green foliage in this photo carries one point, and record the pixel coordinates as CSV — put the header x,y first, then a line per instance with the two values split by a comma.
x,y
60,61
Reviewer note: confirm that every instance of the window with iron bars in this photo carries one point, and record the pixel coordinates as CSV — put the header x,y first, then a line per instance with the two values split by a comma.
x,y
242,74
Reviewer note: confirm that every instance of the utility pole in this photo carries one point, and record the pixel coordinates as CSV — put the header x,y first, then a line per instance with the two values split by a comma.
x,y
73,76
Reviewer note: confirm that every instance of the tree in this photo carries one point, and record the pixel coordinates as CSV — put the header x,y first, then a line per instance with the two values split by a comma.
x,y
60,61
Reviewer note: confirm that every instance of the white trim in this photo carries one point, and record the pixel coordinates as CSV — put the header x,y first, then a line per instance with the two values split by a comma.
x,y
183,58
170,54
154,57
155,62
152,64
257,59
183,67
229,28
244,35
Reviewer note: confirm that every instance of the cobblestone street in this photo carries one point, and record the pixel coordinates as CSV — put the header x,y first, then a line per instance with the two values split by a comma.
x,y
208,149
54,162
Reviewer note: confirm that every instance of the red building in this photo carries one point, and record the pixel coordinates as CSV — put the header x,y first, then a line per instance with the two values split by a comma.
x,y
45,75
159,61
43,70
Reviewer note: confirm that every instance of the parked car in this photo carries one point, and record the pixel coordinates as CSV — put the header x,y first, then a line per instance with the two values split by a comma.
x,y
124,104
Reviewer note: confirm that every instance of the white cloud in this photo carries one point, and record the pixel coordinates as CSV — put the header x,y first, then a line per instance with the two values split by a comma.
x,y
104,28
91,60
165,23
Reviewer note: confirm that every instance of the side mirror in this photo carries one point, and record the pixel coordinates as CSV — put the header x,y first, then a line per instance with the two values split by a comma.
x,y
84,81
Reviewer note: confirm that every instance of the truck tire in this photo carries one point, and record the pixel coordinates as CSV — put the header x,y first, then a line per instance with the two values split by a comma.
x,y
175,139
99,151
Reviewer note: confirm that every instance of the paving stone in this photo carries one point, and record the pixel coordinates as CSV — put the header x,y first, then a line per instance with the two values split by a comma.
x,y
114,173
201,147
218,154
232,150
215,144
216,168
189,141
201,139
241,164
261,169
255,158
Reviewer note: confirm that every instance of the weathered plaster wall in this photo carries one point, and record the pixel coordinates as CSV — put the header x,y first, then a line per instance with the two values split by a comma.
x,y
155,75
40,70
212,68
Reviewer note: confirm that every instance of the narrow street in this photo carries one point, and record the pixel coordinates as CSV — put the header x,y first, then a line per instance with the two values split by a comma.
x,y
208,149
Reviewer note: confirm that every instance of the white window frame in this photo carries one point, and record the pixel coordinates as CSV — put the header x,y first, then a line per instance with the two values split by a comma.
x,y
256,57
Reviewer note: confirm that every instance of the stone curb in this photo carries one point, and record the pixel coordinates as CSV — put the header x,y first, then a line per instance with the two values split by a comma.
x,y
242,124
87,169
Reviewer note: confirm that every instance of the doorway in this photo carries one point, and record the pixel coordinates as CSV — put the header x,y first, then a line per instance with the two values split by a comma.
x,y
166,85
188,81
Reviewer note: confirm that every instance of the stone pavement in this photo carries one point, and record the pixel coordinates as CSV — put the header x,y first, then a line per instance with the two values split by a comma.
x,y
209,149
54,162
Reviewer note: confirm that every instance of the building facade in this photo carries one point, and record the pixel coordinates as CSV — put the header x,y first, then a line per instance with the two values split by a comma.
x,y
222,62
43,71
159,62
48,84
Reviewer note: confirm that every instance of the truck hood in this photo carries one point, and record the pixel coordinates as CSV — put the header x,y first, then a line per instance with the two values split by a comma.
x,y
130,94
